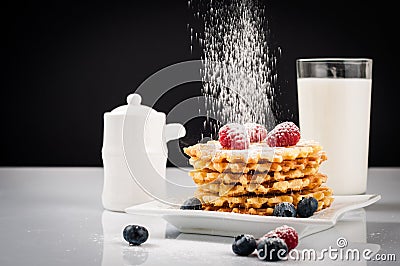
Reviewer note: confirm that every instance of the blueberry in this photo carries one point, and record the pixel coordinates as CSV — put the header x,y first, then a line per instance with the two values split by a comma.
x,y
191,204
285,209
244,245
307,206
135,234
272,249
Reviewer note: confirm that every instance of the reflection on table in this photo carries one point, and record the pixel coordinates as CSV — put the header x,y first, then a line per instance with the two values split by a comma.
x,y
162,241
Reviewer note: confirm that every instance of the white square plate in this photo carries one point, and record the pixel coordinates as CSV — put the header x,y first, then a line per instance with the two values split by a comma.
x,y
232,224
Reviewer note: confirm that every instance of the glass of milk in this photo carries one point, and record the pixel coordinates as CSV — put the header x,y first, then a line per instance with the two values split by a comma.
x,y
334,96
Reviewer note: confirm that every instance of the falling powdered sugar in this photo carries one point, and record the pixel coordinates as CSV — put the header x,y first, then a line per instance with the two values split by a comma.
x,y
239,68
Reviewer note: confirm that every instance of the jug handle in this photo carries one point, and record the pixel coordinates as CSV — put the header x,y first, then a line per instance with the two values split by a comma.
x,y
174,131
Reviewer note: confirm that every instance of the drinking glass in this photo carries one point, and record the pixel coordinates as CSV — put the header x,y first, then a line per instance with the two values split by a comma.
x,y
334,96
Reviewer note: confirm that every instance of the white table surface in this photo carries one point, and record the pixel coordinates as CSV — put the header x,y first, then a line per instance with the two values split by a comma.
x,y
54,216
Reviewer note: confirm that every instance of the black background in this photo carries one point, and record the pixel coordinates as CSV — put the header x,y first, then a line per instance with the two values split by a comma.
x,y
65,63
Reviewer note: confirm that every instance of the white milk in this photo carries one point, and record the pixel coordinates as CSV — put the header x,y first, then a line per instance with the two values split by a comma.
x,y
336,113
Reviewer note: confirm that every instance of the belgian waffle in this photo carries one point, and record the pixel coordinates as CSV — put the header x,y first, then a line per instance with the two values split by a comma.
x,y
202,164
202,177
254,180
278,187
257,153
263,205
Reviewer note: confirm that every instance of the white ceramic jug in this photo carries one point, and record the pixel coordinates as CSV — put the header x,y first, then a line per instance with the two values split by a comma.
x,y
135,154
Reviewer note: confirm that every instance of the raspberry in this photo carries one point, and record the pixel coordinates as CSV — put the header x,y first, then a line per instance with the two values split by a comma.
x,y
233,136
256,132
283,135
287,233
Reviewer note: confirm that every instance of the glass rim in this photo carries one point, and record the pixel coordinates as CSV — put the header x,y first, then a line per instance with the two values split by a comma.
x,y
333,59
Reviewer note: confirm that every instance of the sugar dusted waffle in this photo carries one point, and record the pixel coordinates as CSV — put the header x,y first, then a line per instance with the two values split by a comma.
x,y
263,205
241,167
236,174
257,153
265,188
205,177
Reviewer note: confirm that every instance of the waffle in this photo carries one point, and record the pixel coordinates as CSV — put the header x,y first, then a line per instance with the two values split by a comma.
x,y
268,211
261,211
202,177
300,163
258,153
254,180
214,202
278,187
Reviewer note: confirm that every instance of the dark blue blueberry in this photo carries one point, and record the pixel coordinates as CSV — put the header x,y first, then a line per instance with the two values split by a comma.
x,y
135,234
307,206
271,249
191,204
244,245
285,209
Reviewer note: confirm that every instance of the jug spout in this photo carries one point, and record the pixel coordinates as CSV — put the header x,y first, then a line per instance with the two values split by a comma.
x,y
174,131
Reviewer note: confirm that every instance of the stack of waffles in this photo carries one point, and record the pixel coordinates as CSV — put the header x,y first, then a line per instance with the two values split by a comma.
x,y
254,180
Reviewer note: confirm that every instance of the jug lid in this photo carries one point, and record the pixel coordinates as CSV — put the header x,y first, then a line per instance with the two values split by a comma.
x,y
134,106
